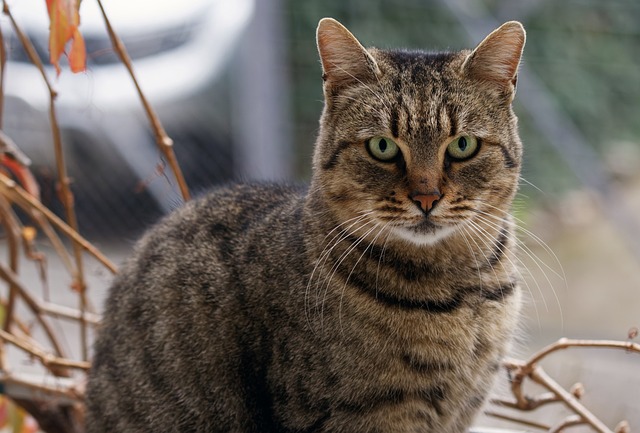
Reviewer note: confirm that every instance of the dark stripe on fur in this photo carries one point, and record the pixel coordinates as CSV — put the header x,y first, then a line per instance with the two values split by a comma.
x,y
318,426
394,123
403,267
500,247
501,293
509,161
408,116
434,397
373,402
333,160
453,121
394,301
426,367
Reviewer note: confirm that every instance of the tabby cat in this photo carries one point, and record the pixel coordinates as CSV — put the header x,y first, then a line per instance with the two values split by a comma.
x,y
379,299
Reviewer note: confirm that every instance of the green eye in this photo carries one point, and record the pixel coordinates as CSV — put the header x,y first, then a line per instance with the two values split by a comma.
x,y
463,147
382,148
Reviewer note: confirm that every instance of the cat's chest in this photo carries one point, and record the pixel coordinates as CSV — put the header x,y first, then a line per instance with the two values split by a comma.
x,y
454,339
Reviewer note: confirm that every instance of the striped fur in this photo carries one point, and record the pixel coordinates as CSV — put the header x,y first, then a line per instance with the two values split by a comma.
x,y
341,307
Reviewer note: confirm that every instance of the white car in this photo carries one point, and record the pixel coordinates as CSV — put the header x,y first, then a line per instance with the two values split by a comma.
x,y
180,51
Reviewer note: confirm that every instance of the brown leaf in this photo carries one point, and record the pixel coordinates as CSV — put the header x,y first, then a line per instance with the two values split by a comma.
x,y
64,20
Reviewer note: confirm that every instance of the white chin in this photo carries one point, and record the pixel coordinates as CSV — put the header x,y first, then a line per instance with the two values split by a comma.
x,y
423,238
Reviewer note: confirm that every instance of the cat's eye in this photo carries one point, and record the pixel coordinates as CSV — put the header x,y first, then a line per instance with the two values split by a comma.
x,y
463,147
382,148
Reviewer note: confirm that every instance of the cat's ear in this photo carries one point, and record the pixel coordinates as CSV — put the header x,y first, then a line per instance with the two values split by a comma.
x,y
344,60
497,57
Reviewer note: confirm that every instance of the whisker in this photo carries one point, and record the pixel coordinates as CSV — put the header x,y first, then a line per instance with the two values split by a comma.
x,y
537,261
465,233
524,280
327,281
531,185
538,241
382,253
324,254
375,238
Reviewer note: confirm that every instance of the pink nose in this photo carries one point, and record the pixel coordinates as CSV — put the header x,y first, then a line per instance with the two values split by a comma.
x,y
426,201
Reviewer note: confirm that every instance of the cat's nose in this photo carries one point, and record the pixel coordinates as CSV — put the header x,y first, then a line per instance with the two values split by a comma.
x,y
426,201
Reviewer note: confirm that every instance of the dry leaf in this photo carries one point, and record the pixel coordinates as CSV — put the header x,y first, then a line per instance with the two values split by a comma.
x,y
64,19
20,173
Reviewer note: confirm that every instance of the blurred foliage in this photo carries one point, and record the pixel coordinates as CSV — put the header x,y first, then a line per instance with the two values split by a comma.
x,y
14,419
585,51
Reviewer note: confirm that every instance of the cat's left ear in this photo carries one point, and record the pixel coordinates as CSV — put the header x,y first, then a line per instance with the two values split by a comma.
x,y
344,60
496,58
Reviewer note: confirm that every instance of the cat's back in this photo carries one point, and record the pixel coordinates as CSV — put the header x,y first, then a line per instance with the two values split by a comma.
x,y
180,302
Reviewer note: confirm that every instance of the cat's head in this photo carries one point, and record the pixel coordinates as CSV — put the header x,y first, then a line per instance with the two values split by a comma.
x,y
420,142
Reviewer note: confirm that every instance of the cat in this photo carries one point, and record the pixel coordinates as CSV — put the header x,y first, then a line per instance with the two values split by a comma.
x,y
379,299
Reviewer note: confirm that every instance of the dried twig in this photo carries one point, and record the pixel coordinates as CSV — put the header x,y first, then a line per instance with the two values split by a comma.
x,y
529,369
163,141
566,343
48,360
3,61
514,419
23,199
8,275
11,226
64,190
55,388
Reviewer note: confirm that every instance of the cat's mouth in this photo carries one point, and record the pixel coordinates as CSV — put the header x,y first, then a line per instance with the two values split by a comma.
x,y
425,227
425,232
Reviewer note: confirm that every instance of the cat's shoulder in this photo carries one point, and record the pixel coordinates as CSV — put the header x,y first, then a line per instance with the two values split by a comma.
x,y
252,194
233,206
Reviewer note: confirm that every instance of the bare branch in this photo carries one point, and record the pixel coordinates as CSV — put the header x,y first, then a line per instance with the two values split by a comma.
x,y
570,421
538,375
36,387
23,199
11,226
517,420
3,61
565,343
69,313
8,275
521,370
66,196
163,141
48,360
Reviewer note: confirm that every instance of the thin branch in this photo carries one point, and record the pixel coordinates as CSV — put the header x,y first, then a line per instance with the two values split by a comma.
x,y
69,313
66,196
3,61
566,343
8,275
47,359
53,237
163,141
23,386
539,376
570,421
533,403
23,199
520,370
11,226
517,420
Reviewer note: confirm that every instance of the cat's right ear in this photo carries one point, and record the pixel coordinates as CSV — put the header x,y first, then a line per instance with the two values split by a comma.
x,y
344,60
496,59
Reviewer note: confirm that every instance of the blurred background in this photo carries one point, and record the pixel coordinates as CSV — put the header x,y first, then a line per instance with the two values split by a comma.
x,y
237,84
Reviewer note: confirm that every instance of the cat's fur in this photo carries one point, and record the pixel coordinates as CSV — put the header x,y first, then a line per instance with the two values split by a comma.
x,y
346,307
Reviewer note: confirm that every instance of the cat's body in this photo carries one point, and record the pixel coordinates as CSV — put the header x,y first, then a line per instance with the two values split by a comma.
x,y
368,303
